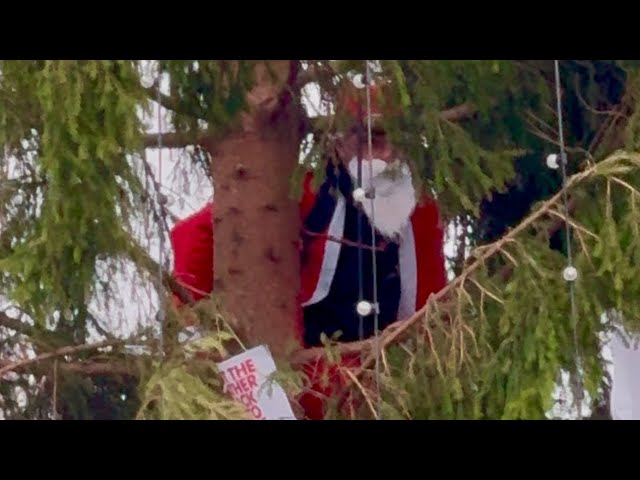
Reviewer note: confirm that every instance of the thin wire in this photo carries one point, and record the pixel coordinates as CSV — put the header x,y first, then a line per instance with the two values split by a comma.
x,y
360,262
373,243
572,295
161,309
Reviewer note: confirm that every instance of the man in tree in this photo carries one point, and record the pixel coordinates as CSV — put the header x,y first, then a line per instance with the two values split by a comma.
x,y
337,277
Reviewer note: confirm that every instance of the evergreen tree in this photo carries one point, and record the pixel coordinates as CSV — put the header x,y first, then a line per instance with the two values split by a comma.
x,y
492,345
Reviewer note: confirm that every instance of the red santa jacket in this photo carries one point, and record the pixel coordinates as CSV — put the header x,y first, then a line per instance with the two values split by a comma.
x,y
421,262
422,266
421,255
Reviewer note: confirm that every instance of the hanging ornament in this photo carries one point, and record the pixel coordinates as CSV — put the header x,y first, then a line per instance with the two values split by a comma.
x,y
359,195
570,274
364,308
552,161
358,81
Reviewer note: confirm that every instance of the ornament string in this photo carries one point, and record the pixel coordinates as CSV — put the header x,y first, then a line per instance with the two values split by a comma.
x,y
360,269
373,244
160,200
570,273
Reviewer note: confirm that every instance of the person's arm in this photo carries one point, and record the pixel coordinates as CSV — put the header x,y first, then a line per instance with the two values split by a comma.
x,y
192,244
308,197
429,236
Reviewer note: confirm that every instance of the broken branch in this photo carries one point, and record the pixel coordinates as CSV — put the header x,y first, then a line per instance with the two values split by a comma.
x,y
9,367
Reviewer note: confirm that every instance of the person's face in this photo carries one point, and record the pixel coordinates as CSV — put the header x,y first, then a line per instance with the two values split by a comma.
x,y
350,146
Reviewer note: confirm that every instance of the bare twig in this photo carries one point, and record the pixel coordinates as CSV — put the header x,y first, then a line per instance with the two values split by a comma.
x,y
9,367
595,111
342,241
169,280
486,291
506,253
175,139
364,392
170,103
454,114
459,113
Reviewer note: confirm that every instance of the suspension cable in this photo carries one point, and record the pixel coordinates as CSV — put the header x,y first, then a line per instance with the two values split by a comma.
x,y
570,272
159,199
373,244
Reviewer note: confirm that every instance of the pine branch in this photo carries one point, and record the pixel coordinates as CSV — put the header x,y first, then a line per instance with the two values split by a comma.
x,y
171,103
349,243
175,139
458,113
16,325
153,267
92,368
165,100
317,124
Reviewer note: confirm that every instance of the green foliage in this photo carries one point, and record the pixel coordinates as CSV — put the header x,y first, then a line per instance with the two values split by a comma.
x,y
210,90
176,392
71,128
88,111
496,348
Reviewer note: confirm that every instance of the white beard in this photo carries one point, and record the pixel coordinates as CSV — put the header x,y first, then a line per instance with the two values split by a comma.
x,y
395,197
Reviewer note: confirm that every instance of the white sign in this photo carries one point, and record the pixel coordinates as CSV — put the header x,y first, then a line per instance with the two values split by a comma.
x,y
247,380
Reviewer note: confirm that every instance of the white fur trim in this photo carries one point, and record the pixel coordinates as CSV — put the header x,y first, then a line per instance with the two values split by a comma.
x,y
408,274
331,254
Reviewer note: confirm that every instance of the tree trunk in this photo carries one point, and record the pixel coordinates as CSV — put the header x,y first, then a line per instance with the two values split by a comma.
x,y
256,222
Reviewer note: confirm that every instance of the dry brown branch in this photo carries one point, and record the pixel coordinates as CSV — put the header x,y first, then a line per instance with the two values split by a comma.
x,y
364,392
506,253
625,185
203,138
10,367
593,110
540,134
91,368
342,241
485,291
575,226
459,113
151,266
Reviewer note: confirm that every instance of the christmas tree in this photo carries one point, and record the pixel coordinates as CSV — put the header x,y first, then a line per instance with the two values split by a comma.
x,y
76,186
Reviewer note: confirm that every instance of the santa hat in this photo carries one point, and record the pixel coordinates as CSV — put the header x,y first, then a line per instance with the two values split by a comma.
x,y
352,105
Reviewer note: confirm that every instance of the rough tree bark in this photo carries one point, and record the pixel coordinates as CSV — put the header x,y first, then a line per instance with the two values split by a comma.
x,y
256,222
